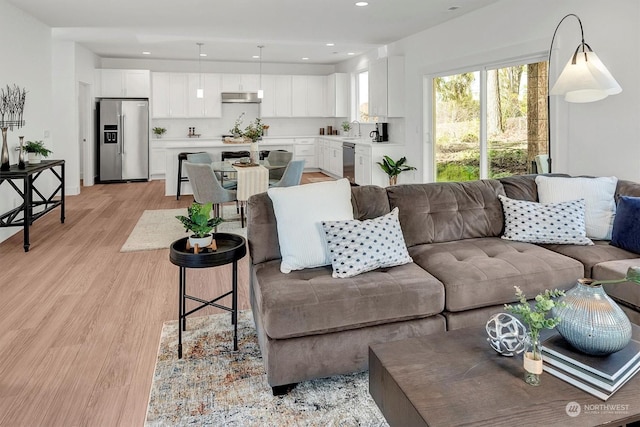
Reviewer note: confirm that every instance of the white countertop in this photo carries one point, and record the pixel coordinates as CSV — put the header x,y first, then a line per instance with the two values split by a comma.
x,y
216,141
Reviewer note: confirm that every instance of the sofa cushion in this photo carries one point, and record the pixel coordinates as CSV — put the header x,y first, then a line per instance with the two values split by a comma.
x,y
628,293
357,246
523,187
626,225
482,272
310,301
589,256
561,223
448,211
299,212
369,201
598,194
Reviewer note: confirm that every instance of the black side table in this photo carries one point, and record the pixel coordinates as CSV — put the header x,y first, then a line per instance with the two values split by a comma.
x,y
231,248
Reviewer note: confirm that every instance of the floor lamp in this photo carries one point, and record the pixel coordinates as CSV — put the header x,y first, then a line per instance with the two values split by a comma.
x,y
583,79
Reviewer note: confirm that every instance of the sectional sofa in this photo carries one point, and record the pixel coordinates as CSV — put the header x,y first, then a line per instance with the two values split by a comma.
x,y
312,325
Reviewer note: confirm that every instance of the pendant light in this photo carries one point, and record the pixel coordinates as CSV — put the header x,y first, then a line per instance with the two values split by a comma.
x,y
200,90
260,91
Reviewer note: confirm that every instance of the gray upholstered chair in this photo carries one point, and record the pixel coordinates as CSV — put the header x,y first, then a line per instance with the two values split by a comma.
x,y
278,158
292,175
229,184
206,187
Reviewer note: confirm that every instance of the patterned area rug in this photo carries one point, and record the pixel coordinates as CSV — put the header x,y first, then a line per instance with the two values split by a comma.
x,y
157,229
214,386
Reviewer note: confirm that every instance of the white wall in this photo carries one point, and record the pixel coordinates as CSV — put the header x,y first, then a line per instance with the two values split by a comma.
x,y
26,63
601,138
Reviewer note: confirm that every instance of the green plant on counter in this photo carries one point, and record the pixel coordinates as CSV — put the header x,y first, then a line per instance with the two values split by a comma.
x,y
346,126
199,220
235,130
393,168
37,147
254,130
159,131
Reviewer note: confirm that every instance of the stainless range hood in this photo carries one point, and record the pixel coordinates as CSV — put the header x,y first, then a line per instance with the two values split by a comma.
x,y
240,98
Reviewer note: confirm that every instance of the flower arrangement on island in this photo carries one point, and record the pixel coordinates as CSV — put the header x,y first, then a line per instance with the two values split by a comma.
x,y
252,132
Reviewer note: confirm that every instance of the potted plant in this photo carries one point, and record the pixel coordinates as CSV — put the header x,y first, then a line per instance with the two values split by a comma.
x,y
394,168
346,127
200,223
36,150
158,131
536,318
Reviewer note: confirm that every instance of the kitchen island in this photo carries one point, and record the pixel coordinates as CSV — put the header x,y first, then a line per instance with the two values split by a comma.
x,y
323,153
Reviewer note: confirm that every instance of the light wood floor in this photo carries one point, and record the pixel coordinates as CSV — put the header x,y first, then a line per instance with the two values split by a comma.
x,y
80,322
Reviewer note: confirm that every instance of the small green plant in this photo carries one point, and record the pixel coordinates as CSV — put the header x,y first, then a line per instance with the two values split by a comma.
x,y
346,126
159,131
254,130
37,147
235,130
393,168
199,220
536,316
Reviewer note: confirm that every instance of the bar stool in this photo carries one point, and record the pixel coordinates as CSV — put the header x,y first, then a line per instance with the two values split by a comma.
x,y
233,155
182,157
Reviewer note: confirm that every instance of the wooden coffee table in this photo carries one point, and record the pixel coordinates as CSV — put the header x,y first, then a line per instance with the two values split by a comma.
x,y
455,378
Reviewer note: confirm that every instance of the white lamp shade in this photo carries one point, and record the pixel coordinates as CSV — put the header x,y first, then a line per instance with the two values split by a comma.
x,y
587,80
199,93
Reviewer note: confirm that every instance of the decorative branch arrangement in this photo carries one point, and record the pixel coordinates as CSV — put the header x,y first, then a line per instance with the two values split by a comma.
x,y
12,100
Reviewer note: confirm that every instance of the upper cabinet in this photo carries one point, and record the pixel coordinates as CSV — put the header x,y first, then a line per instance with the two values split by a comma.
x,y
277,96
386,87
308,96
338,95
240,82
169,95
210,105
125,83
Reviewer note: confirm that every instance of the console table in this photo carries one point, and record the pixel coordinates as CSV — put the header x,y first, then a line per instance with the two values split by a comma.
x,y
30,206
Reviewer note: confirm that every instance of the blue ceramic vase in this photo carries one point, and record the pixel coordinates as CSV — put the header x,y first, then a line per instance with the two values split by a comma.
x,y
591,321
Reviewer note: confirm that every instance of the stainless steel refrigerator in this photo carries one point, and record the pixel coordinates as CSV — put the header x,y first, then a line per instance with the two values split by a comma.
x,y
123,135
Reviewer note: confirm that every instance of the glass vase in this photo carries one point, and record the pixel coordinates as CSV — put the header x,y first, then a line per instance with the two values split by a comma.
x,y
5,151
21,163
532,362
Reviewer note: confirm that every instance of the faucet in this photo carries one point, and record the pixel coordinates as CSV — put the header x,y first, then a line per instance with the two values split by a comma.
x,y
359,134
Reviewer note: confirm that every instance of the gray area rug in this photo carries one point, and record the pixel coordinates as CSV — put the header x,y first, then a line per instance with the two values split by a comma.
x,y
157,229
215,386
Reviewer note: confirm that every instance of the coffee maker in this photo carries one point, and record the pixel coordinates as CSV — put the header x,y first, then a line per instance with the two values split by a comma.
x,y
381,134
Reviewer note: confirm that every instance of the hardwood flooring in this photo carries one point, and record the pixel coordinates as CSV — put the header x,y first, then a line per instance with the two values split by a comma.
x,y
80,322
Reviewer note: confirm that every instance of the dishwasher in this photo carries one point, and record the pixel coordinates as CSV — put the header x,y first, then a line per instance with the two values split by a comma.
x,y
349,161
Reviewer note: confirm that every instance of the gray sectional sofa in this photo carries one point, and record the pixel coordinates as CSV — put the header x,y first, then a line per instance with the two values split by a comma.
x,y
311,325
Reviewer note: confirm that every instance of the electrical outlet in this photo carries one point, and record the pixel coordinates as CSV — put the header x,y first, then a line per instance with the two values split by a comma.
x,y
46,134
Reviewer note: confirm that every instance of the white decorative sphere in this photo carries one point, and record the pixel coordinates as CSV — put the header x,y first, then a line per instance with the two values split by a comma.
x,y
507,335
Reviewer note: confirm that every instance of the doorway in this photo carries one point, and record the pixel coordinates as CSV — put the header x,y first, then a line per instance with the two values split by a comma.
x,y
85,136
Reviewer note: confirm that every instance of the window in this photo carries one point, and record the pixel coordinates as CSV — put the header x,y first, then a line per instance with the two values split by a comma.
x,y
362,97
490,123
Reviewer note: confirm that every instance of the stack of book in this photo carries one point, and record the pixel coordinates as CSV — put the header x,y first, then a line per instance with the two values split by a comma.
x,y
599,375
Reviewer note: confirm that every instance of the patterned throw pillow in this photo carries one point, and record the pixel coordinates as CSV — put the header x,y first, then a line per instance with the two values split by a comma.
x,y
554,223
359,246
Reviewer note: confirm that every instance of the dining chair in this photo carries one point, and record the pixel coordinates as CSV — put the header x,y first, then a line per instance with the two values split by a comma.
x,y
292,175
542,163
229,184
206,187
276,158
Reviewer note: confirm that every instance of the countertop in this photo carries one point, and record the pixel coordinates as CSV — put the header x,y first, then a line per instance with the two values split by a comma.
x,y
216,141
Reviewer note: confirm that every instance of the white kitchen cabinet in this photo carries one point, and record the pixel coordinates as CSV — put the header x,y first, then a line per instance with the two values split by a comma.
x,y
211,104
125,83
169,95
337,98
386,87
240,82
378,88
308,96
277,96
157,156
305,149
363,164
335,158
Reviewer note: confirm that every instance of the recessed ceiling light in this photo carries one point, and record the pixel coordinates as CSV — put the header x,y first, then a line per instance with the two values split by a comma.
x,y
351,53
362,3
146,53
331,44
305,58
203,54
256,56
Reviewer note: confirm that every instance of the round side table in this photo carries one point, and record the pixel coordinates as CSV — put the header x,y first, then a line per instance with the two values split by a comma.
x,y
230,248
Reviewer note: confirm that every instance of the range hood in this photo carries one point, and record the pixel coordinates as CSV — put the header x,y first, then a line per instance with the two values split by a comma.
x,y
240,98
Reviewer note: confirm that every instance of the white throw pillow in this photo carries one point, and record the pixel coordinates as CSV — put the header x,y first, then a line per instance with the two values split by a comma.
x,y
598,195
554,223
299,212
360,246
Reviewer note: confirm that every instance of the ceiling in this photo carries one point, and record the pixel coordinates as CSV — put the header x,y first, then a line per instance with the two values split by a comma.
x,y
232,30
